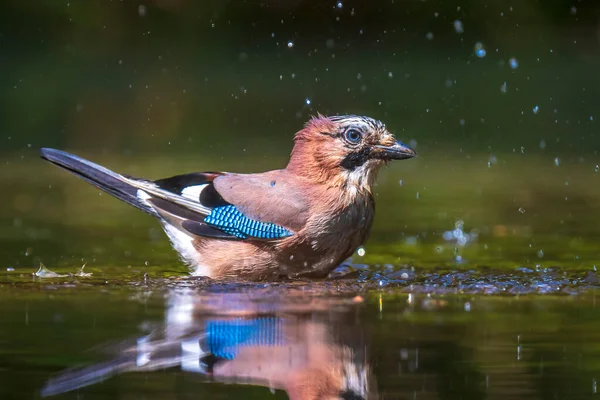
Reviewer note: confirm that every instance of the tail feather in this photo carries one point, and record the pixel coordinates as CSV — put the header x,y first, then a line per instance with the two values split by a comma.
x,y
103,178
79,378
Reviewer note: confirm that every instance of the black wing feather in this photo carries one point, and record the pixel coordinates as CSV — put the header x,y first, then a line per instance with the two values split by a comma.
x,y
177,183
201,229
211,198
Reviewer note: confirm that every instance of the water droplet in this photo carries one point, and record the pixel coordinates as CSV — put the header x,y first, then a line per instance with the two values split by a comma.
x,y
146,263
361,251
142,10
503,87
542,144
514,63
597,168
522,150
591,118
429,36
402,182
536,109
521,210
556,161
307,102
458,26
10,269
290,44
573,10
467,306
479,50
418,196
339,4
390,75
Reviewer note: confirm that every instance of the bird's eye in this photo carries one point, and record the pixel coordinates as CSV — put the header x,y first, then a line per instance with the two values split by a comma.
x,y
353,136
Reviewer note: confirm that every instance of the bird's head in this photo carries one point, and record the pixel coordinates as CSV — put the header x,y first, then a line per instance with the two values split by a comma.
x,y
345,150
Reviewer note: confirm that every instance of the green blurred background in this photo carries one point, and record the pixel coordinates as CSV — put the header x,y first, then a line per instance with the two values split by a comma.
x,y
507,139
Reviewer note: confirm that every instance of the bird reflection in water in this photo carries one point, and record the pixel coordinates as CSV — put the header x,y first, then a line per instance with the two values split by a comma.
x,y
310,348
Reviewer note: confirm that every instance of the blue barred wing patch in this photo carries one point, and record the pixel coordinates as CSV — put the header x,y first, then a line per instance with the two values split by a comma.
x,y
226,337
229,219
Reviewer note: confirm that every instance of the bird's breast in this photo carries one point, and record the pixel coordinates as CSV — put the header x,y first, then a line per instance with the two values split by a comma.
x,y
330,236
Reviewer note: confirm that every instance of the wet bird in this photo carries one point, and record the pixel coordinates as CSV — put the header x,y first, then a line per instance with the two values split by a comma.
x,y
303,220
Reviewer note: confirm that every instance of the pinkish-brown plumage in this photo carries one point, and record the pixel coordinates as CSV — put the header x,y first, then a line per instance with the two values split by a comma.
x,y
321,203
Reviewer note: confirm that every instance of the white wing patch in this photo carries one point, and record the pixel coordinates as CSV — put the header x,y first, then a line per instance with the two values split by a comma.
x,y
143,196
193,192
181,241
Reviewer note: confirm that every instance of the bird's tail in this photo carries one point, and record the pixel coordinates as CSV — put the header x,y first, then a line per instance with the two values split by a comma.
x,y
147,354
103,178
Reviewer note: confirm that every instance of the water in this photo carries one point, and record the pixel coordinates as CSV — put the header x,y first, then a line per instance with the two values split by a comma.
x,y
479,279
401,346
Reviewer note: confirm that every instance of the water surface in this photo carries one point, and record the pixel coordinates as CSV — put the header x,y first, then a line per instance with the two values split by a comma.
x,y
403,346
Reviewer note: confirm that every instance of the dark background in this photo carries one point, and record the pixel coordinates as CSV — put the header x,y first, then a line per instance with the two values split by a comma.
x,y
206,76
159,88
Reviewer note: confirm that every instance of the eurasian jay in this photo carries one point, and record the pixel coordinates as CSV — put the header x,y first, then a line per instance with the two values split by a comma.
x,y
303,220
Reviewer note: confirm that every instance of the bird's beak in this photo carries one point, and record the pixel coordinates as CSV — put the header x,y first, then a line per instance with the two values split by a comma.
x,y
397,151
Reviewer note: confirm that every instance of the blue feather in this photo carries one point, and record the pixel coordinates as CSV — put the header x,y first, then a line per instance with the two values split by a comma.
x,y
229,219
225,338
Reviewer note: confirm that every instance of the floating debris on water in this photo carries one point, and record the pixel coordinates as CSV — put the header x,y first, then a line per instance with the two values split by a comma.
x,y
556,161
514,63
83,274
44,272
503,87
536,109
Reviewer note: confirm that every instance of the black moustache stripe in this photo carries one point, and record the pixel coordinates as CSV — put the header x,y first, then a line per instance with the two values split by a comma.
x,y
356,159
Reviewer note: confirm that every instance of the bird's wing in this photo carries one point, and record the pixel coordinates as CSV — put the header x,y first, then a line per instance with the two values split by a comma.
x,y
194,203
274,197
